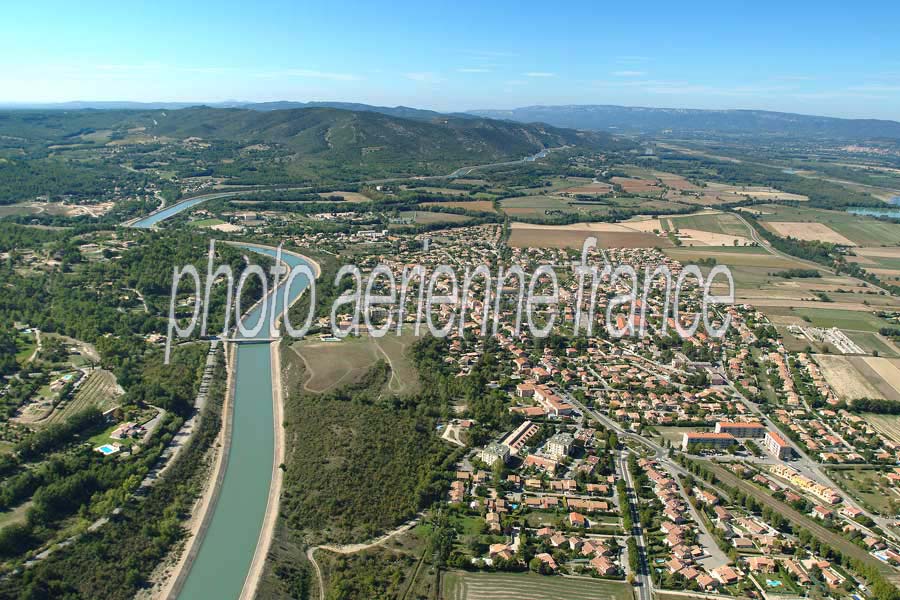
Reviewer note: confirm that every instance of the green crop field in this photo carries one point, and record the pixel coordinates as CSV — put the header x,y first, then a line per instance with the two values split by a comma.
x,y
872,342
424,217
864,231
331,364
206,222
842,319
460,585
723,223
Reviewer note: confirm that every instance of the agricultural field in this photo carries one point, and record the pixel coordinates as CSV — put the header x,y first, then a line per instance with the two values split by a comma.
x,y
477,205
595,188
553,184
436,190
874,343
884,262
207,222
637,186
460,585
331,364
854,377
677,182
544,205
744,254
714,222
609,235
887,425
862,231
858,320
709,229
424,217
755,280
810,232
347,196
713,194
536,205
884,373
99,390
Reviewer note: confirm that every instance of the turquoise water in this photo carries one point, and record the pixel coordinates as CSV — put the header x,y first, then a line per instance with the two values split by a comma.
x,y
877,212
171,211
227,548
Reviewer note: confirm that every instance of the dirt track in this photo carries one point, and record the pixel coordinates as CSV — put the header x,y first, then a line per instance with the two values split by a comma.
x,y
353,548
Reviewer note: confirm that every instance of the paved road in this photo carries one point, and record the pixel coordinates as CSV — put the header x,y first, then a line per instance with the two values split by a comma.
x,y
645,589
715,557
809,467
841,543
776,252
196,200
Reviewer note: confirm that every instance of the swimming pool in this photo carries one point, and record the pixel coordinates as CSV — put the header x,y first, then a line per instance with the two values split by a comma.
x,y
773,583
106,449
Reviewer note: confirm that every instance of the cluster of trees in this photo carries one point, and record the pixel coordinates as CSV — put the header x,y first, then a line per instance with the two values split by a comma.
x,y
116,560
351,435
55,436
798,274
376,575
875,405
816,251
8,350
83,301
60,179
880,587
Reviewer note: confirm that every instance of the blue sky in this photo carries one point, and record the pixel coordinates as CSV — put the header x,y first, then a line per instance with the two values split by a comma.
x,y
832,58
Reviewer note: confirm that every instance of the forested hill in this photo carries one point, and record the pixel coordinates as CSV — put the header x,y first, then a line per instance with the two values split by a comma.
x,y
338,132
651,120
323,131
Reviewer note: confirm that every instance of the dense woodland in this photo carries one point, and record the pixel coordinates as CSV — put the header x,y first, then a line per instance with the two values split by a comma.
x,y
116,560
363,464
80,299
67,484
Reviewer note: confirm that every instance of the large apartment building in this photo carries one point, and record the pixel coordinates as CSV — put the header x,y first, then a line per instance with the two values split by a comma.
x,y
742,430
702,438
777,446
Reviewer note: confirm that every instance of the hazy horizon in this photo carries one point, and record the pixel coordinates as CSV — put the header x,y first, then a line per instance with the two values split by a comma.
x,y
232,103
820,60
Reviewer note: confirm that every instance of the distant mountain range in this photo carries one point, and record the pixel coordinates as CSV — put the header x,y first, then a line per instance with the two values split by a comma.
x,y
342,133
595,117
633,119
417,140
404,112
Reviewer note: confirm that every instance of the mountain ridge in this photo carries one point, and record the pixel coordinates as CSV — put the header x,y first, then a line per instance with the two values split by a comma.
x,y
641,119
595,117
